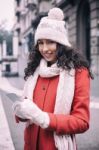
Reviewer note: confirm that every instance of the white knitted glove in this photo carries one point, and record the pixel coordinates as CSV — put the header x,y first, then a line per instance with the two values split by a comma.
x,y
29,110
17,109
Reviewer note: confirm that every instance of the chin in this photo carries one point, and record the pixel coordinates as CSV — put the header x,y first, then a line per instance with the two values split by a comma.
x,y
49,60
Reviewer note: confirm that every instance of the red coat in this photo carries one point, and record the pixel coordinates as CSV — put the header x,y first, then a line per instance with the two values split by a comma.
x,y
37,138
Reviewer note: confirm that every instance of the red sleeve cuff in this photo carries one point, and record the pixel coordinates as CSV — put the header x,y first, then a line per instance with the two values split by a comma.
x,y
53,121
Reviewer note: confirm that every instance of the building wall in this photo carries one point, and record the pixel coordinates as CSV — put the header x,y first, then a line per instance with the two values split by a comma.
x,y
8,63
94,5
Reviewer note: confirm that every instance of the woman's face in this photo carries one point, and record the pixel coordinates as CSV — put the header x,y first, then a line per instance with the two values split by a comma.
x,y
48,48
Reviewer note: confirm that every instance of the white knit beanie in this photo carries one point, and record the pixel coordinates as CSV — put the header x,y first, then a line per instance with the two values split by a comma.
x,y
53,27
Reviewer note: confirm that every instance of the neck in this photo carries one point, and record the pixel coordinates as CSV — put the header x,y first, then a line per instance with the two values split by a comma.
x,y
49,63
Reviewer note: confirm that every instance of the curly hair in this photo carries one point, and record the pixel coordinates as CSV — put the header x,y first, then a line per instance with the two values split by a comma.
x,y
67,58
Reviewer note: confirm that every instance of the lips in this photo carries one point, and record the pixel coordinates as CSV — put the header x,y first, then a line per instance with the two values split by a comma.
x,y
48,55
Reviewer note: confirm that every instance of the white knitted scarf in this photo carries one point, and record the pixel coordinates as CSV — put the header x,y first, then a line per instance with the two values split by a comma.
x,y
64,97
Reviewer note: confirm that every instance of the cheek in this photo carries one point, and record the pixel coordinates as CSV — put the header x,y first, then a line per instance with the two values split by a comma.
x,y
53,48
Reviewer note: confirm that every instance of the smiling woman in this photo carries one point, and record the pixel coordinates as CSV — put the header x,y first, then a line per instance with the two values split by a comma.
x,y
56,96
7,13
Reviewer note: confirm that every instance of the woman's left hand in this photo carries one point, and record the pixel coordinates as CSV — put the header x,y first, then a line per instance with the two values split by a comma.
x,y
29,110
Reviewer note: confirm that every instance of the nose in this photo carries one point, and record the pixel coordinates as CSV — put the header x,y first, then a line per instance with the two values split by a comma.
x,y
45,47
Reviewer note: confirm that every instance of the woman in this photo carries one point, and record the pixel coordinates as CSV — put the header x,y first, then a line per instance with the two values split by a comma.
x,y
55,101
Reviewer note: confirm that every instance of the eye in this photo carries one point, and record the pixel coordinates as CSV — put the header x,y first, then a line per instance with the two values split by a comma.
x,y
40,42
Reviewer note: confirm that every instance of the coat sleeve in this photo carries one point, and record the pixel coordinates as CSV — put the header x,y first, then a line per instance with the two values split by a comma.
x,y
78,120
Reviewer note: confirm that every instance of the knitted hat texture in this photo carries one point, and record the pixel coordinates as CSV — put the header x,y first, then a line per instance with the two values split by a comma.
x,y
53,27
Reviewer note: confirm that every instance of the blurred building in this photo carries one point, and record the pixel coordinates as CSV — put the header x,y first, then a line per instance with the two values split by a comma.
x,y
8,62
82,17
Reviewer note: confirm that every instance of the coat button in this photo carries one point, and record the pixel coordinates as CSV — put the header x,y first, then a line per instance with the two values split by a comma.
x,y
43,88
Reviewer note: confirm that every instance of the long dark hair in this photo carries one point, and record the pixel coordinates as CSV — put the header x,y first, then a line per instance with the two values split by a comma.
x,y
67,58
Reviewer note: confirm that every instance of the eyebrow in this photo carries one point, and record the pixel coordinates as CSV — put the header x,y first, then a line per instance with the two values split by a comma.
x,y
39,41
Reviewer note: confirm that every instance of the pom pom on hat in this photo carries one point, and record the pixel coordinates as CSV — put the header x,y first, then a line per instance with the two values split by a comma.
x,y
56,13
52,27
